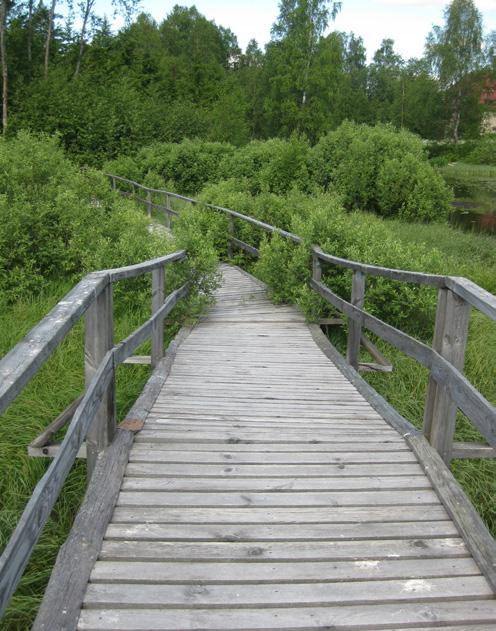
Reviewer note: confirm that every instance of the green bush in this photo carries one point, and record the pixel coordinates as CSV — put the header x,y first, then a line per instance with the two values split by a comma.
x,y
58,222
271,166
380,169
484,152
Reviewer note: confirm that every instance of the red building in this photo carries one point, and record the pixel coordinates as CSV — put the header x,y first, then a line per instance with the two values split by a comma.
x,y
488,94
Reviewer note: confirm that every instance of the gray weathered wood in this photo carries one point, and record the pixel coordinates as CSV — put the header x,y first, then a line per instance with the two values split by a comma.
x,y
99,340
28,530
65,591
472,450
345,618
20,364
354,326
158,295
143,360
478,539
244,246
62,419
434,280
450,338
480,411
127,347
131,271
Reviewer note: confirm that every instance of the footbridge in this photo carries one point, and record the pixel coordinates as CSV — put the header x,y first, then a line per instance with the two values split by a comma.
x,y
258,482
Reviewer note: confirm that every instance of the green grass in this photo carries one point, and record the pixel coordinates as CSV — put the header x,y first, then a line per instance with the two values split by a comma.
x,y
467,254
58,383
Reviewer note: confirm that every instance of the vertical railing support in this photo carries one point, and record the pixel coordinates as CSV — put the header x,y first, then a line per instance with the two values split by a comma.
x,y
99,339
149,204
168,206
230,233
158,296
450,340
114,184
316,268
354,327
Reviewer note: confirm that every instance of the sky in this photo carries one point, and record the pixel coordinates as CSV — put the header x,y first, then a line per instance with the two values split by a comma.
x,y
406,21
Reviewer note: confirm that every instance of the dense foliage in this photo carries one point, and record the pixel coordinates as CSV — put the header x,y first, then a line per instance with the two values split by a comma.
x,y
372,168
58,222
110,93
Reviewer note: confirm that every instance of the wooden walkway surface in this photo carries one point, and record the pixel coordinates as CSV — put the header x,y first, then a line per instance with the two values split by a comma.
x,y
265,492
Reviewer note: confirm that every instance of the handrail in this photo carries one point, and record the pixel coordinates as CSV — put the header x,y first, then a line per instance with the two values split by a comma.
x,y
463,287
448,388
94,416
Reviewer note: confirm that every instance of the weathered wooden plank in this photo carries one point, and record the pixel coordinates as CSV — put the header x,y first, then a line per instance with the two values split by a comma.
x,y
21,363
131,271
245,246
354,326
434,280
351,617
269,470
158,295
472,528
480,411
62,419
98,341
155,455
210,573
280,594
279,551
252,515
450,339
281,498
287,532
472,450
412,482
64,594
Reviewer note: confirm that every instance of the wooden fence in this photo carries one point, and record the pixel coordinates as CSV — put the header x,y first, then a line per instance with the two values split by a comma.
x,y
93,414
448,389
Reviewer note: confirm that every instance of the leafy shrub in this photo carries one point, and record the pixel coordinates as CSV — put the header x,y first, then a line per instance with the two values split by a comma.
x,y
484,152
380,169
411,190
59,222
272,166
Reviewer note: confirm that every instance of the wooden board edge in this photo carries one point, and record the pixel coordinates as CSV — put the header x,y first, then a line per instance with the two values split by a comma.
x,y
468,522
61,604
380,405
461,510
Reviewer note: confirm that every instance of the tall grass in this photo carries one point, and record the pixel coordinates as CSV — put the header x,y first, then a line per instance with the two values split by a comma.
x,y
58,383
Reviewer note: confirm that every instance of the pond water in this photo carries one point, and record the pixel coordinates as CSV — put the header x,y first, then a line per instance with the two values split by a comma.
x,y
469,216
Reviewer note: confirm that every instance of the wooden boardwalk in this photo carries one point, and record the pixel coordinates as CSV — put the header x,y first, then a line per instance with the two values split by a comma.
x,y
265,492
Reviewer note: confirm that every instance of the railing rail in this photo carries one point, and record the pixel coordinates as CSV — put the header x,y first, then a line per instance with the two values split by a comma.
x,y
448,389
93,418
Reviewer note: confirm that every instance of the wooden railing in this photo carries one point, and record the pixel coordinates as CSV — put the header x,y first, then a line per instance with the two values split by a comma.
x,y
93,415
448,388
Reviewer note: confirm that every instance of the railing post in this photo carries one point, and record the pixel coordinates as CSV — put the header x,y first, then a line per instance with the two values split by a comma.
x,y
230,233
168,206
149,203
114,185
450,340
99,339
316,268
158,296
354,327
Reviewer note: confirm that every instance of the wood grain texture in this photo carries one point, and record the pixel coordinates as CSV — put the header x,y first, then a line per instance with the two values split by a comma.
x,y
267,490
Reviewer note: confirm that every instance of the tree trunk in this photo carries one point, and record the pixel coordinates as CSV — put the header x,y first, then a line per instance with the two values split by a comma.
x,y
3,55
455,120
49,36
87,10
30,34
